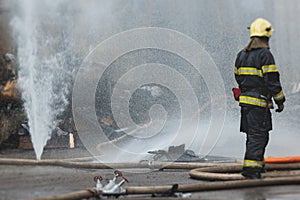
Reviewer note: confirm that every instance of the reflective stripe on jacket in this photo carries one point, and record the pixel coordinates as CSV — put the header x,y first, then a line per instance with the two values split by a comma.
x,y
255,101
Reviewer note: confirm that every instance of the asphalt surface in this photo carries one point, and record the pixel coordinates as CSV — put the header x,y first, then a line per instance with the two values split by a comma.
x,y
27,182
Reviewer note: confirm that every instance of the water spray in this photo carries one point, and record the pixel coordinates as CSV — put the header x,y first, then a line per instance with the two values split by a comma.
x,y
46,64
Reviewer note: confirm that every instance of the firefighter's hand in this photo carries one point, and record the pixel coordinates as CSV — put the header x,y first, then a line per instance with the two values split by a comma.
x,y
280,108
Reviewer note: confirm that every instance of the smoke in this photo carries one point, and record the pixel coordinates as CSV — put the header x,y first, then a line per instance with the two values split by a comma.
x,y
54,37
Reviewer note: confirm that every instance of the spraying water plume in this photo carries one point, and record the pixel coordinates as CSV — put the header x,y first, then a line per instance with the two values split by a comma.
x,y
46,64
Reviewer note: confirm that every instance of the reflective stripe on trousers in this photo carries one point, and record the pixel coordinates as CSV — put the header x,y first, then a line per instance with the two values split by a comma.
x,y
253,164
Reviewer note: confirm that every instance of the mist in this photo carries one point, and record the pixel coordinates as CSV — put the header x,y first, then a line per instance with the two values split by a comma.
x,y
55,39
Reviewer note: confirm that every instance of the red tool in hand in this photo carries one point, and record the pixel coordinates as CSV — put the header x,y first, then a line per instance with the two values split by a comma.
x,y
236,93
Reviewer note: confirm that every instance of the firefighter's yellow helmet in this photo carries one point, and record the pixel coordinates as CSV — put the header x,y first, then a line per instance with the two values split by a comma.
x,y
261,28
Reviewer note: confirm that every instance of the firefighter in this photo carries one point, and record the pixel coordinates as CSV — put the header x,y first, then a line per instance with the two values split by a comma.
x,y
258,80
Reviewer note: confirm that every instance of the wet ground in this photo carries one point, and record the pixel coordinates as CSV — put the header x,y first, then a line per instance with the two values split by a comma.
x,y
25,182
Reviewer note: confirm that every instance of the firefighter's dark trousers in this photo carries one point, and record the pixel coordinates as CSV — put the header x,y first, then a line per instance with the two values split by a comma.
x,y
256,122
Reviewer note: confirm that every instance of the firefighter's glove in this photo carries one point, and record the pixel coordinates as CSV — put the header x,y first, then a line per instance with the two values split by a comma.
x,y
280,108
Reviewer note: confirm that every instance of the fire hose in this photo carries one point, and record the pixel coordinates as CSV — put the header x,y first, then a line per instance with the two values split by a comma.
x,y
206,186
225,176
142,164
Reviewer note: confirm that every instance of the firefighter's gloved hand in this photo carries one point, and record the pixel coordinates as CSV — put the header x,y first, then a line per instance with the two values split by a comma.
x,y
280,108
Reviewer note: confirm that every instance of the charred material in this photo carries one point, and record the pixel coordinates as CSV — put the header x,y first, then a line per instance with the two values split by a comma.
x,y
180,154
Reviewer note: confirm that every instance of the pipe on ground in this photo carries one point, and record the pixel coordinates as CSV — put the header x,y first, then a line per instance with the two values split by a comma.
x,y
82,194
204,186
286,159
220,185
207,171
222,172
142,164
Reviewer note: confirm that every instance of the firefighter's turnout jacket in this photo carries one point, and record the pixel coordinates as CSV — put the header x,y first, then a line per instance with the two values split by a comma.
x,y
258,78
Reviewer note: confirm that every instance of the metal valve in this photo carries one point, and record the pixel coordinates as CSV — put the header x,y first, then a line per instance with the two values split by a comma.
x,y
118,173
112,187
98,180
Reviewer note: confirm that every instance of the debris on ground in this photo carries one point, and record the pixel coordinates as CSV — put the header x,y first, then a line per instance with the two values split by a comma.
x,y
180,154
